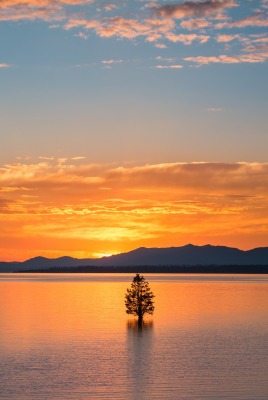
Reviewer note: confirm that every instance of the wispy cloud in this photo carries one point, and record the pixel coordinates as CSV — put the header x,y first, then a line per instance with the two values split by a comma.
x,y
227,38
110,62
252,58
166,59
151,29
178,66
258,20
195,24
187,39
62,171
48,10
161,25
82,35
160,45
110,6
195,9
259,44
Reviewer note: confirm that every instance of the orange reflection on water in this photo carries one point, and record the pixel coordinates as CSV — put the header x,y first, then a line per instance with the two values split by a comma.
x,y
46,311
203,303
49,311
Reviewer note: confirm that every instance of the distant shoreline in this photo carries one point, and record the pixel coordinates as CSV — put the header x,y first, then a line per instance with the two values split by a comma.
x,y
209,269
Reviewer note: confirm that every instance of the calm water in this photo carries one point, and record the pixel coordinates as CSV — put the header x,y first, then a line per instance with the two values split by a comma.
x,y
68,337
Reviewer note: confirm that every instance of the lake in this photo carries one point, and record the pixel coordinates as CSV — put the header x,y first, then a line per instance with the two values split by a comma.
x,y
66,336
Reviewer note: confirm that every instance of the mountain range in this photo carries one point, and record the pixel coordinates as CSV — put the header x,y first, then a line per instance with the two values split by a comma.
x,y
184,256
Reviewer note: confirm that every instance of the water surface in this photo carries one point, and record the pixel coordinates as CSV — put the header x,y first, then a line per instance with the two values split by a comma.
x,y
66,336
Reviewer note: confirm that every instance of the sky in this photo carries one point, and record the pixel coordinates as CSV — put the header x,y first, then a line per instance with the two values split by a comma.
x,y
132,123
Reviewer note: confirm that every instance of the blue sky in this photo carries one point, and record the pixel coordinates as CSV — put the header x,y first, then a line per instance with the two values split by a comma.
x,y
134,81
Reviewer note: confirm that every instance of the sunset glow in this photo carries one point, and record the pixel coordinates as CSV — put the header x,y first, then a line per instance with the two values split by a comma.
x,y
56,207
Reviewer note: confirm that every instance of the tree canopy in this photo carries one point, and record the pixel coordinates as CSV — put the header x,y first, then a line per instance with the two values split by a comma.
x,y
139,298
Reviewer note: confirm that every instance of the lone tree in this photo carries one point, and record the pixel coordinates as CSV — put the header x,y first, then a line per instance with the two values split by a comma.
x,y
139,298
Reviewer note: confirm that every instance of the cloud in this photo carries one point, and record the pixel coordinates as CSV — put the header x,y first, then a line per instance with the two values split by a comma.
x,y
153,23
82,35
166,59
168,66
211,176
227,38
157,26
252,58
64,174
67,208
109,62
151,29
195,24
125,28
4,65
110,6
6,4
160,45
197,9
259,44
48,10
187,39
258,20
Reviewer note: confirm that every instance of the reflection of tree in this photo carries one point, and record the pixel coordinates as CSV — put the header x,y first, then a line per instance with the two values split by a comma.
x,y
140,339
139,326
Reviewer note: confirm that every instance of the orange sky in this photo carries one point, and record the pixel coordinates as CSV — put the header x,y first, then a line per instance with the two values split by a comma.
x,y
54,207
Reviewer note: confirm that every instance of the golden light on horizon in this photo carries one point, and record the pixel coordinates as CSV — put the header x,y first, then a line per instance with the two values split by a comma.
x,y
100,255
164,205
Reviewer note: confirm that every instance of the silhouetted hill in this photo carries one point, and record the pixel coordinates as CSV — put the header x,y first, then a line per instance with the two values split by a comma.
x,y
188,255
185,255
44,263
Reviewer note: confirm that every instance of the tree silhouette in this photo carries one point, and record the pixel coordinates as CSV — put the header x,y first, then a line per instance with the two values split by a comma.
x,y
139,298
